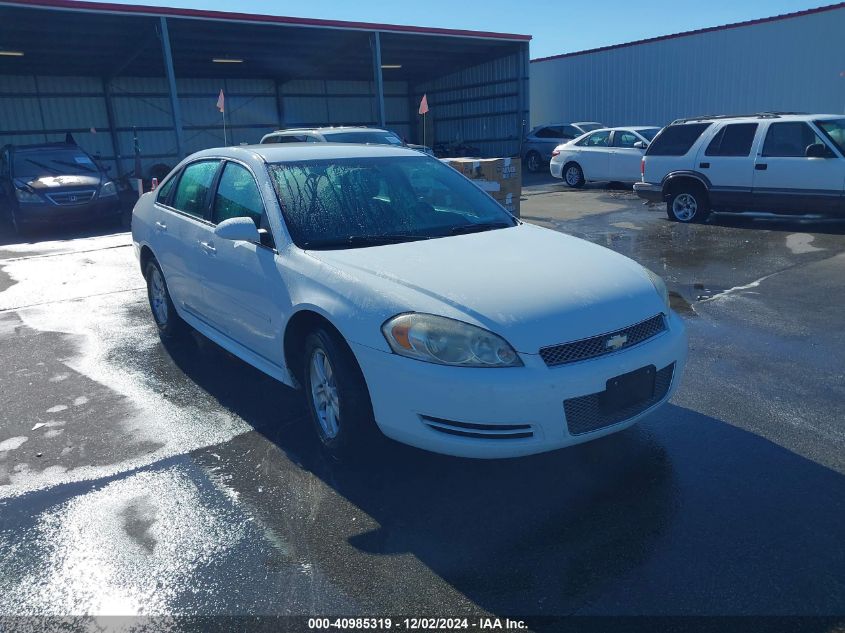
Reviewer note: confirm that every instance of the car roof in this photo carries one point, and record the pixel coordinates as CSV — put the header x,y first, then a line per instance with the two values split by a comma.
x,y
780,116
329,129
280,153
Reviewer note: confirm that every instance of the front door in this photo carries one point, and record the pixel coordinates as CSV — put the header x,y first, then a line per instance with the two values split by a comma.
x,y
245,294
785,179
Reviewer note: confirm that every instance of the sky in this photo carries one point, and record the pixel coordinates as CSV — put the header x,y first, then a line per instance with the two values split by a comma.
x,y
559,26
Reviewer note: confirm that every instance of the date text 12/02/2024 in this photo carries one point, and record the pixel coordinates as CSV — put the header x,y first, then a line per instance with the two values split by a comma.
x,y
416,624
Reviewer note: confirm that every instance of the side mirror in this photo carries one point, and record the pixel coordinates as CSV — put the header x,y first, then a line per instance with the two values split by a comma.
x,y
640,145
237,230
817,150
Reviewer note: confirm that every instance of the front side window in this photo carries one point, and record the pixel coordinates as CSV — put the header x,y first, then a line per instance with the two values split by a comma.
x,y
356,202
789,139
624,138
237,196
835,130
164,191
733,140
192,191
676,140
597,139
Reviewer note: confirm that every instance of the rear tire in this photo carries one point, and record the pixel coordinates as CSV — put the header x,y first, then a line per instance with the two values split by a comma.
x,y
688,204
336,395
170,324
573,175
533,162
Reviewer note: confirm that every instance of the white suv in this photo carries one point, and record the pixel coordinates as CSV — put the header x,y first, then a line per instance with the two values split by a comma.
x,y
778,162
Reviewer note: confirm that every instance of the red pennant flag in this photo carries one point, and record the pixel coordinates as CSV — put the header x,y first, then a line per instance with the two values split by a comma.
x,y
424,104
221,101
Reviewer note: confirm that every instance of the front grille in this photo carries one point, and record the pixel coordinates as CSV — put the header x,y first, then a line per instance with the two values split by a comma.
x,y
71,197
584,414
479,431
604,343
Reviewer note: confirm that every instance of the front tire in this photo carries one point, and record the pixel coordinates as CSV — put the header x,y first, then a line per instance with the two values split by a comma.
x,y
170,324
573,175
533,162
337,397
688,204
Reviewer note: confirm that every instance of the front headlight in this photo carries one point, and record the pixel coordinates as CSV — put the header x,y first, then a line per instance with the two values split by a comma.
x,y
108,189
27,196
445,341
660,286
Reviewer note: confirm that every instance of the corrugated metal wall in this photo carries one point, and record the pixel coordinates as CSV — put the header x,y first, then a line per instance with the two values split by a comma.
x,y
794,64
483,106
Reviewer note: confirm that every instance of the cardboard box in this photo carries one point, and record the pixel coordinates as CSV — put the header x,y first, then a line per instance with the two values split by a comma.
x,y
500,177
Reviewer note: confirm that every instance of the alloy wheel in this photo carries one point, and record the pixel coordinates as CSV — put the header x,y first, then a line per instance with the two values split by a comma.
x,y
684,207
324,394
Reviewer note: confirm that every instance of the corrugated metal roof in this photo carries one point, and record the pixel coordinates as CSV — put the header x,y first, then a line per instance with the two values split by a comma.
x,y
724,27
108,7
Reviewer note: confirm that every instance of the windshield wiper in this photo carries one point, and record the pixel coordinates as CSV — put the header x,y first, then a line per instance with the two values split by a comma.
x,y
477,228
363,240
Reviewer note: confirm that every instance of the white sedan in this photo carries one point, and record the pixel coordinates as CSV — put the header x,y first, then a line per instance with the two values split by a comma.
x,y
401,297
610,154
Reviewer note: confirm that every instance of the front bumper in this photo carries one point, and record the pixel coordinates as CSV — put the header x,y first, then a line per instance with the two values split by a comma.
x,y
47,214
506,412
649,191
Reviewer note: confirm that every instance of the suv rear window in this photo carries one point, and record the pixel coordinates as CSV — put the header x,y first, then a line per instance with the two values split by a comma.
x,y
733,140
676,140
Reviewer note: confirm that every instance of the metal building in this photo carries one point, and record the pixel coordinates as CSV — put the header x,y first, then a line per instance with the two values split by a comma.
x,y
792,62
108,73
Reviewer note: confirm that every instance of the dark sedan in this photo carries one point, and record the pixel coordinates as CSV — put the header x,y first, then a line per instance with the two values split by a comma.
x,y
54,183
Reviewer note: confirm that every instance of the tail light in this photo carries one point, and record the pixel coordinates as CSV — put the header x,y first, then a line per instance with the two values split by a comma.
x,y
642,167
555,152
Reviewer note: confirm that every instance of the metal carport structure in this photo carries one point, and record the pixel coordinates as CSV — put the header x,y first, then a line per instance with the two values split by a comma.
x,y
105,72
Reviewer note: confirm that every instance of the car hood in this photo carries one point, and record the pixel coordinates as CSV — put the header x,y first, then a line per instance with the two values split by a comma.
x,y
533,286
46,184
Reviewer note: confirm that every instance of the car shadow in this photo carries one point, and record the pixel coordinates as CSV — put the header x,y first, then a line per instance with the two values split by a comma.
x,y
682,514
780,222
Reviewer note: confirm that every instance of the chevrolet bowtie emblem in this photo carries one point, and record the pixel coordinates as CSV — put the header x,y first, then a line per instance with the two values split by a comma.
x,y
615,342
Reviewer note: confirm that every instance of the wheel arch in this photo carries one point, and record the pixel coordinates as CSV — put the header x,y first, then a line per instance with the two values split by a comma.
x,y
679,178
572,161
145,256
306,319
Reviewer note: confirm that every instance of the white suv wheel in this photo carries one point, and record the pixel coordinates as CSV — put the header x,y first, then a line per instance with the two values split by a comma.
x,y
684,206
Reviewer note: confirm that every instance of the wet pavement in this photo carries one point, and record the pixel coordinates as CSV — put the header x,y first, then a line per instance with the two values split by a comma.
x,y
139,478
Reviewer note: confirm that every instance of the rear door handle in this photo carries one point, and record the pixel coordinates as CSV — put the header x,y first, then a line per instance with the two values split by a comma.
x,y
208,247
761,166
160,226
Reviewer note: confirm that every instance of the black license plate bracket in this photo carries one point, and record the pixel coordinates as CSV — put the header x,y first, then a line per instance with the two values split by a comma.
x,y
628,389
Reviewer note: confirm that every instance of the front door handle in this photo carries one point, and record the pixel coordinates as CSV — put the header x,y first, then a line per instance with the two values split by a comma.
x,y
161,226
761,166
208,247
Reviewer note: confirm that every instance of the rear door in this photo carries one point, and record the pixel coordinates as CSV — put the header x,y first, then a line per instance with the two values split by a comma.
x,y
244,292
785,179
594,155
726,160
624,157
179,230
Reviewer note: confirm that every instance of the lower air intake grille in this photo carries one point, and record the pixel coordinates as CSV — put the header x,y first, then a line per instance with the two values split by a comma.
x,y
603,343
479,431
584,414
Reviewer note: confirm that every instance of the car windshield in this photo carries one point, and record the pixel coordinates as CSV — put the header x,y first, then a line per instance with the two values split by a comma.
x,y
356,202
64,162
589,127
835,130
374,137
649,133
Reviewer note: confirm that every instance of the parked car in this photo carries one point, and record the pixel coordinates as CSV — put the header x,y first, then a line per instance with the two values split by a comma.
x,y
609,154
539,143
344,134
402,297
778,162
54,183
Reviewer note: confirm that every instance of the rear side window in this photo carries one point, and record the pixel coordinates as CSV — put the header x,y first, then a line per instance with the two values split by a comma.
x,y
733,140
789,139
676,140
596,139
192,191
549,132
